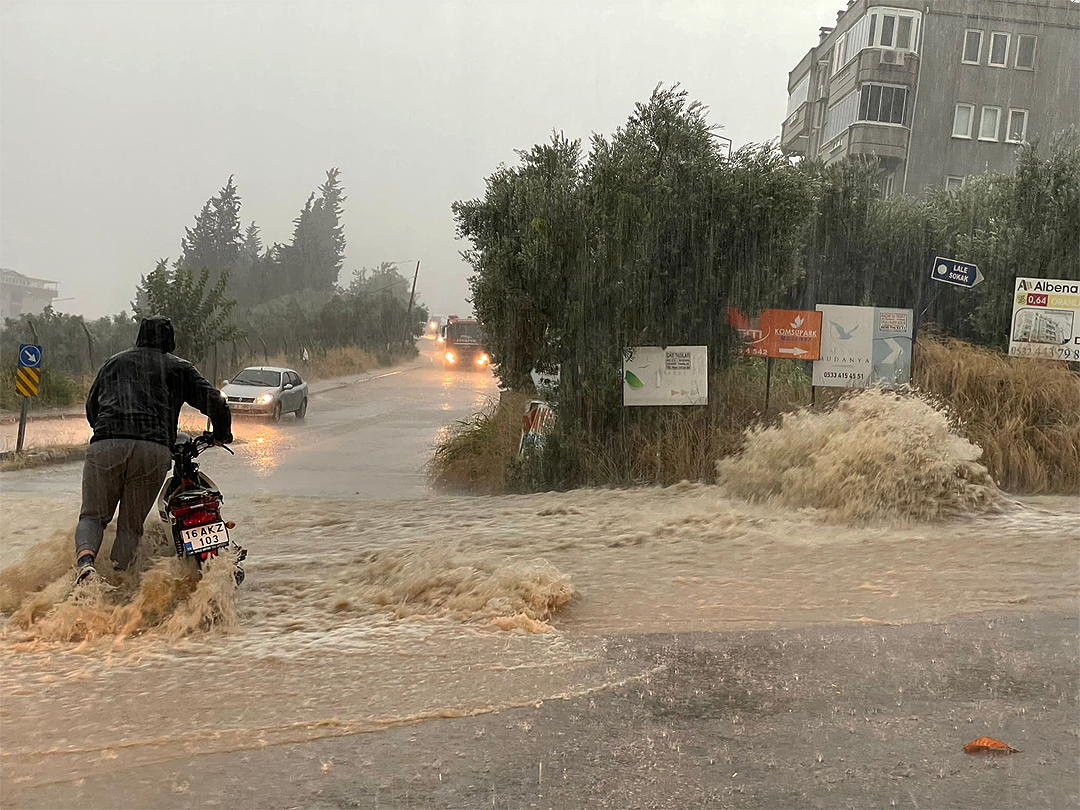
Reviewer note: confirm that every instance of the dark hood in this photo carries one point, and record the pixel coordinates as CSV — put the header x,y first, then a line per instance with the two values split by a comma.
x,y
156,332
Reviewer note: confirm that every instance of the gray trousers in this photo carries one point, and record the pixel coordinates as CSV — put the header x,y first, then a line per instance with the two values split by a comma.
x,y
124,471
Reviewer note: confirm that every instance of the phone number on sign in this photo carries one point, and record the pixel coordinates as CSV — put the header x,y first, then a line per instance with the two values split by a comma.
x,y
1048,352
843,375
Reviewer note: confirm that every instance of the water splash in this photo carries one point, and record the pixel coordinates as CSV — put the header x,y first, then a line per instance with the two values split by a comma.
x,y
435,582
160,594
876,456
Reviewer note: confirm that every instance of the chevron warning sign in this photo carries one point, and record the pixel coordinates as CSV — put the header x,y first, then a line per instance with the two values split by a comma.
x,y
27,381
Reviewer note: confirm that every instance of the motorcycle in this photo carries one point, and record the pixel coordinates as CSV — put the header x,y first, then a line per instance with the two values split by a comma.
x,y
190,503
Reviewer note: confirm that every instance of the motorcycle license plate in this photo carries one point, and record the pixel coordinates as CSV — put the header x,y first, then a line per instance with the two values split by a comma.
x,y
201,538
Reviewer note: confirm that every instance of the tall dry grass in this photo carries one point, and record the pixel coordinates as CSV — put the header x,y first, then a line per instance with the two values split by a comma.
x,y
475,454
1023,413
479,454
342,361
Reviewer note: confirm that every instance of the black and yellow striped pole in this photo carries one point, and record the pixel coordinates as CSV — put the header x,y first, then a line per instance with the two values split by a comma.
x,y
27,383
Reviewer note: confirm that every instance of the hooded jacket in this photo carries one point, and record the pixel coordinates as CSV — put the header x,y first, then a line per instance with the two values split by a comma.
x,y
138,393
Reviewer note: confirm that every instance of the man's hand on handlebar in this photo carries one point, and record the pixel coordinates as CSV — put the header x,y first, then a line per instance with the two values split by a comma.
x,y
217,441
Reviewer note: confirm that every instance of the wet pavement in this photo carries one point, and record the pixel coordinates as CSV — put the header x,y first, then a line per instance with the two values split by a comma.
x,y
369,435
714,720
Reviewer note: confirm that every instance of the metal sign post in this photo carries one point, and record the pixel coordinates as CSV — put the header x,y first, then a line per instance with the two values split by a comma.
x,y
27,382
23,409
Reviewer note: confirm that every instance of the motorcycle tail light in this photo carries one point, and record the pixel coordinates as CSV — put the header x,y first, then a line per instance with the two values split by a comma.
x,y
197,514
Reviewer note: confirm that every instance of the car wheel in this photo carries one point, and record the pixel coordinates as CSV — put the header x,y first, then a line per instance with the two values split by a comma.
x,y
300,414
277,412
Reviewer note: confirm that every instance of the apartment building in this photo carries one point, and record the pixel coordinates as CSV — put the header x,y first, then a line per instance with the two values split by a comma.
x,y
22,295
936,90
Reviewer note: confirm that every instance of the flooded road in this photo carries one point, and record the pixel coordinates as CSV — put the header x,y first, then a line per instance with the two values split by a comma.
x,y
369,438
448,625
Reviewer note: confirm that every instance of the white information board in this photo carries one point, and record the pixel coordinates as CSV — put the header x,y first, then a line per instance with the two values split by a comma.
x,y
671,375
864,347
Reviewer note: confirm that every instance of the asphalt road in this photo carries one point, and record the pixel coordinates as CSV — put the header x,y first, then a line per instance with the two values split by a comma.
x,y
371,437
825,718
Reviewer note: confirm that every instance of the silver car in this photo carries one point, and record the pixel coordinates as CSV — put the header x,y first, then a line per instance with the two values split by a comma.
x,y
267,391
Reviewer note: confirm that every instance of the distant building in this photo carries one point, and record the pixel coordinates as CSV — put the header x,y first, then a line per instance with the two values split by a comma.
x,y
936,90
22,295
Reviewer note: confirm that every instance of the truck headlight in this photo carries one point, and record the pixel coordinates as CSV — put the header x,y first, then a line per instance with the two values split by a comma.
x,y
450,357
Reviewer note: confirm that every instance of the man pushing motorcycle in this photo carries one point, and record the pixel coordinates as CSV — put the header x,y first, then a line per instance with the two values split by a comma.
x,y
134,408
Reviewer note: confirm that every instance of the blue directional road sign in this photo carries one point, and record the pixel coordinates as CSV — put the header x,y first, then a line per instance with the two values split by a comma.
x,y
957,273
29,355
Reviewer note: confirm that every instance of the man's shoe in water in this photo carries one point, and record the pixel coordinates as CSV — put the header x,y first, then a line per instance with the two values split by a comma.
x,y
87,572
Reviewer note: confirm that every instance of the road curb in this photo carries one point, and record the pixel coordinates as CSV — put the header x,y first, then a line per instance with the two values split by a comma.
x,y
368,379
57,417
47,417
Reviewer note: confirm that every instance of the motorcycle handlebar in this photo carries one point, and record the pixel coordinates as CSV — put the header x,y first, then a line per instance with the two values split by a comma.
x,y
204,442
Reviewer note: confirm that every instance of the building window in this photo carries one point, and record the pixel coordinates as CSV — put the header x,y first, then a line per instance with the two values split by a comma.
x,y
892,28
882,103
972,47
1025,52
888,27
999,50
953,184
961,127
903,32
839,59
1017,131
991,121
798,95
841,115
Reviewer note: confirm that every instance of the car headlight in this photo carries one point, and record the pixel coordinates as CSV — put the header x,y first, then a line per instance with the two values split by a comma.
x,y
265,398
450,357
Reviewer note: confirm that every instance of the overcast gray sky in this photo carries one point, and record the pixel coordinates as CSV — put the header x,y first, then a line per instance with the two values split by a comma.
x,y
119,119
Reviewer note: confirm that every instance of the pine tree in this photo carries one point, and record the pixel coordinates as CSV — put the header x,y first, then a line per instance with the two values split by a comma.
x,y
247,283
252,247
313,260
333,199
215,242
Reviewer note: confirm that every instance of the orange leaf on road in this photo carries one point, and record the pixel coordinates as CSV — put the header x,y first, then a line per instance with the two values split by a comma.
x,y
988,745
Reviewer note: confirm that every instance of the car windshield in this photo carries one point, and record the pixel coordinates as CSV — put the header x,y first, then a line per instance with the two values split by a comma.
x,y
465,330
258,376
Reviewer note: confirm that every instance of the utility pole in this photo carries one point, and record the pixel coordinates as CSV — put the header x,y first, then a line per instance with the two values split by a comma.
x,y
412,297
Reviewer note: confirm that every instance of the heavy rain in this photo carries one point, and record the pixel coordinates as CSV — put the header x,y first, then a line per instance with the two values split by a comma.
x,y
629,405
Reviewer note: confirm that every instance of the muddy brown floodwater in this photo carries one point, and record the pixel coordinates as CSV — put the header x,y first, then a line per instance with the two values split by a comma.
x,y
358,616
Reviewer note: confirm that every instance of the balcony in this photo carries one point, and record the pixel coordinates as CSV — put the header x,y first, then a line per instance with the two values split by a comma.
x,y
795,135
882,66
887,143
